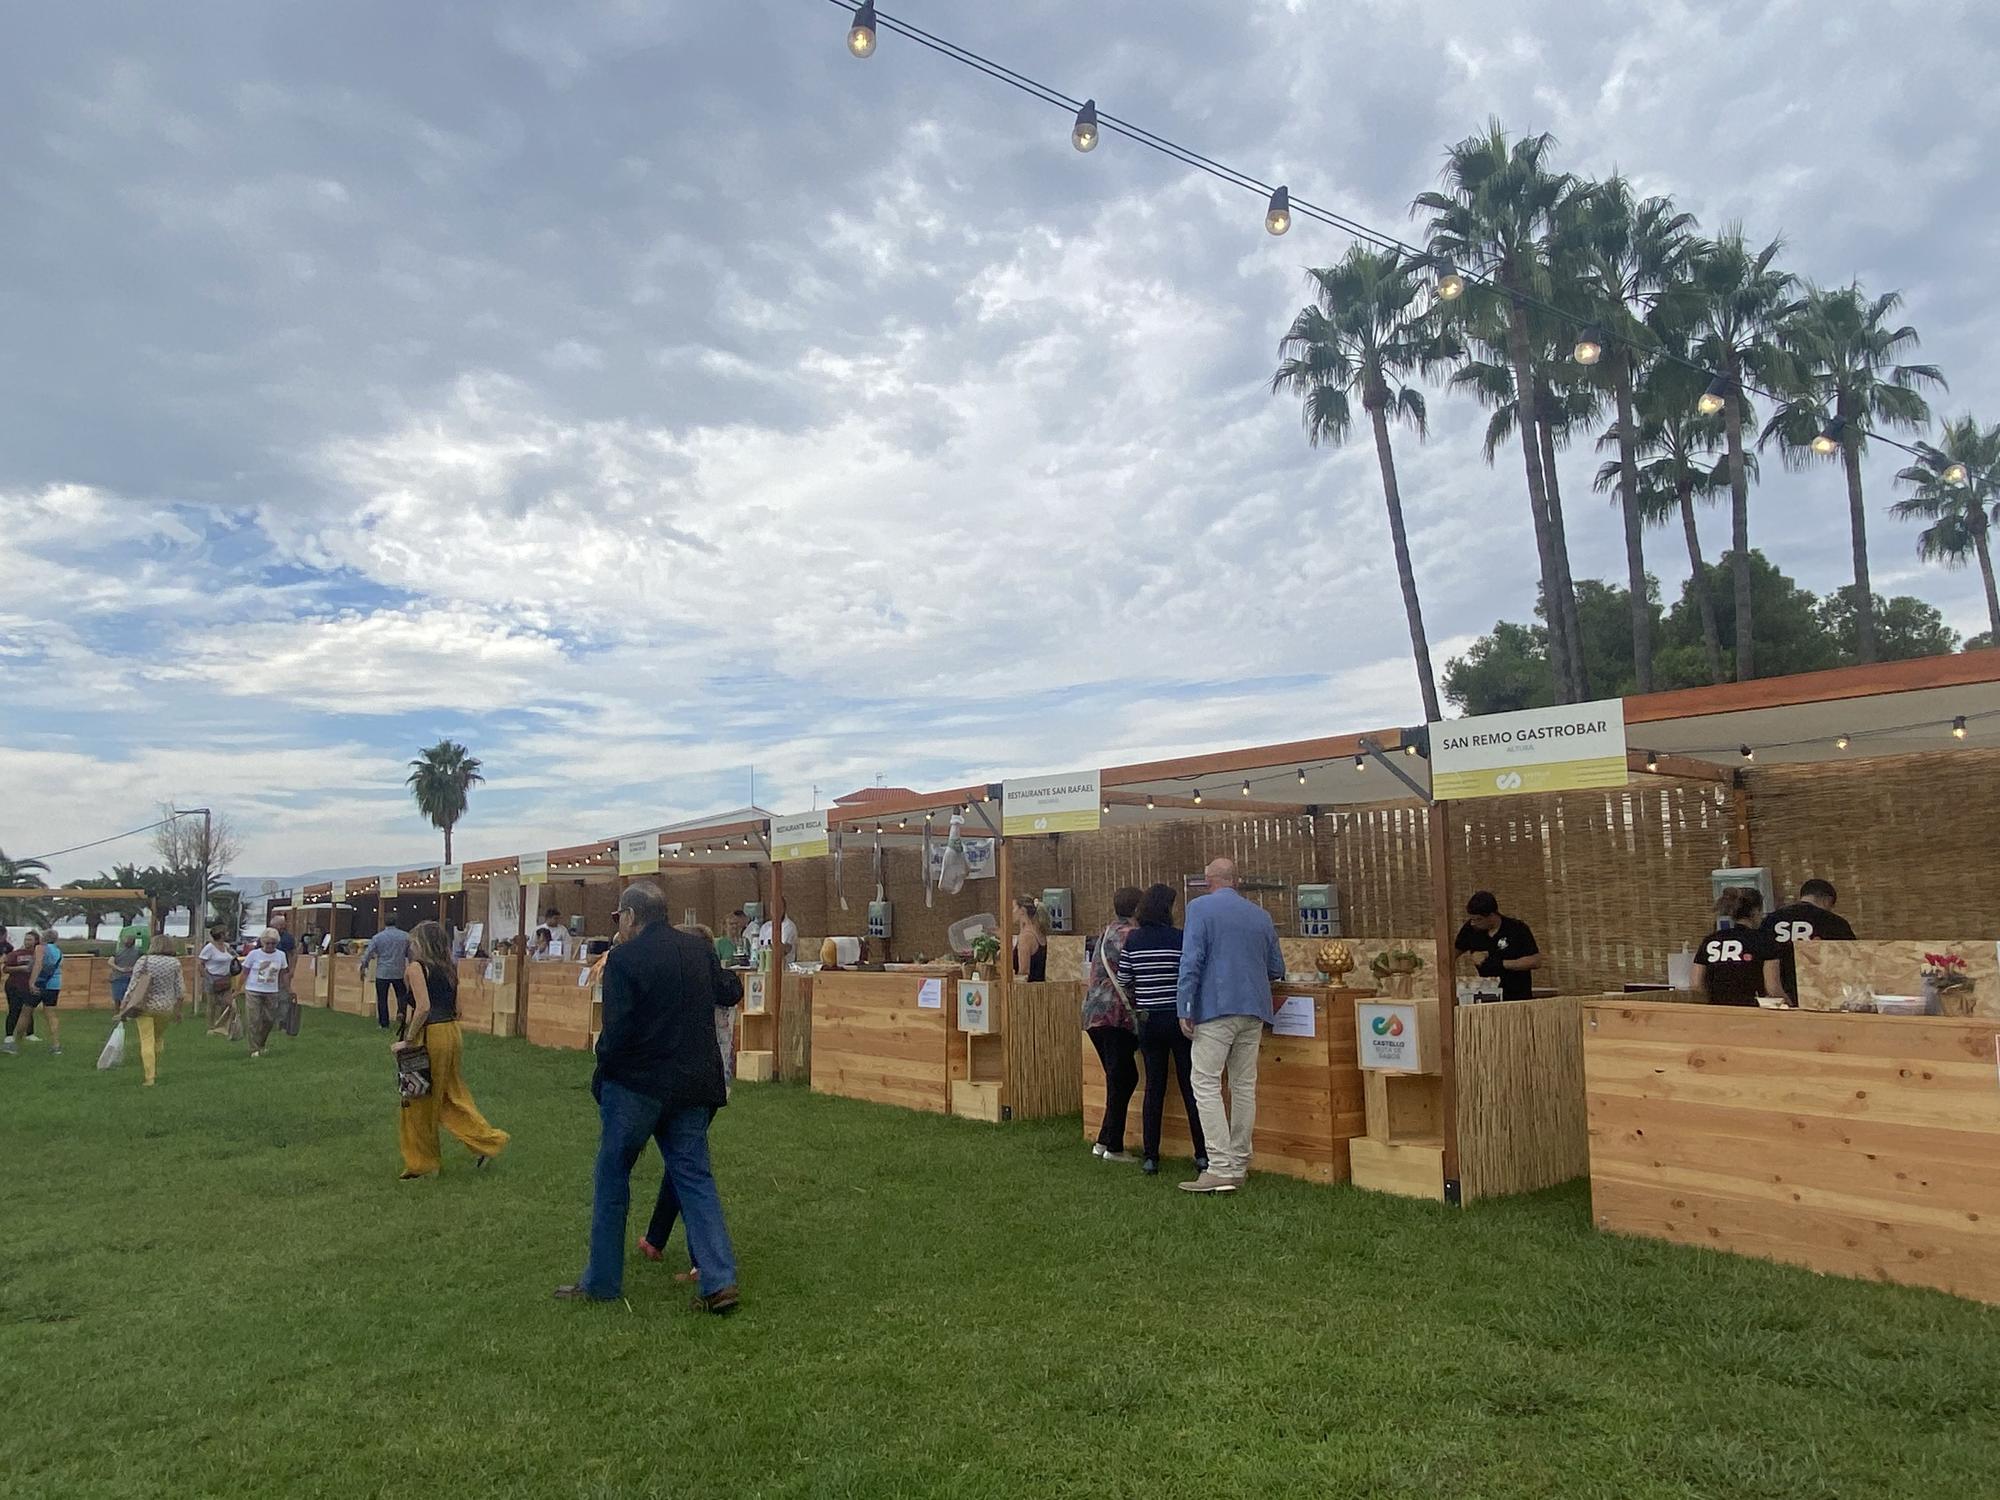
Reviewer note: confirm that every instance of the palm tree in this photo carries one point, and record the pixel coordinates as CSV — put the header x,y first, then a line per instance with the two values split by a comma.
x,y
1496,217
1740,303
1962,515
1362,334
1624,254
440,779
1680,459
22,875
1846,385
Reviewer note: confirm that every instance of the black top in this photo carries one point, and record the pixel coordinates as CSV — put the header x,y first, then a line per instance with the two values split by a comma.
x,y
1513,940
441,989
661,991
1735,958
1149,966
1802,922
1038,966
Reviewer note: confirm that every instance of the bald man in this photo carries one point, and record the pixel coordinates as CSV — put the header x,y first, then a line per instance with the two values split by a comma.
x,y
1229,960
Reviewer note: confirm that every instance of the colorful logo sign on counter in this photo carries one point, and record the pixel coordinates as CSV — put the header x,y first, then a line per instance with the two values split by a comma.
x,y
639,854
451,879
799,836
1570,748
534,869
1388,1037
1051,804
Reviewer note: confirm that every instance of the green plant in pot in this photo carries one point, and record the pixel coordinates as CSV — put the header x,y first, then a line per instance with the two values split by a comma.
x,y
985,953
1394,969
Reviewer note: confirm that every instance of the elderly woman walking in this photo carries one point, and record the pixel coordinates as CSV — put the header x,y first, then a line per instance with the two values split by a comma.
x,y
434,1027
152,999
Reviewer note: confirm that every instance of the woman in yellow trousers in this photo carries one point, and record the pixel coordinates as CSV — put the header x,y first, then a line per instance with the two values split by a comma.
x,y
434,1026
154,998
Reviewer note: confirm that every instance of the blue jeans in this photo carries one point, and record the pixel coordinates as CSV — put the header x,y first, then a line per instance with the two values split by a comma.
x,y
629,1120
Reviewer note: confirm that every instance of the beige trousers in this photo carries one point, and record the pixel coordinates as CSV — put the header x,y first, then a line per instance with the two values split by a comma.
x,y
1229,1045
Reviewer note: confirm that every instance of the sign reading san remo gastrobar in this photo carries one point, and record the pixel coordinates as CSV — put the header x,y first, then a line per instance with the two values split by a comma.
x,y
1567,748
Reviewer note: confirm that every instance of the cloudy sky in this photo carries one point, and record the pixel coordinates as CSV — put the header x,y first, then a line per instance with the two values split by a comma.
x,y
644,390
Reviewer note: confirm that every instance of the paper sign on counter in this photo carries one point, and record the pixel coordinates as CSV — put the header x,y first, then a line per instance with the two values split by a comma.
x,y
1294,1017
931,996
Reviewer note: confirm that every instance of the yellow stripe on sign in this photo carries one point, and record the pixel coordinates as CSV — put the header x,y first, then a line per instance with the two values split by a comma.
x,y
1022,825
1516,781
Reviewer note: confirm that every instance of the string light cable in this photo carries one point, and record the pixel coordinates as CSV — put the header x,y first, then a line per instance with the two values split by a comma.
x,y
1283,205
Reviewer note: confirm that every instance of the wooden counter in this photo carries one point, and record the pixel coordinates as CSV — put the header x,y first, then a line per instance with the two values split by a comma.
x,y
1855,1144
558,1008
873,1039
1309,1095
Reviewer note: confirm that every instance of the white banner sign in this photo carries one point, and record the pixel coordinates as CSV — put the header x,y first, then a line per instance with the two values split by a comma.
x,y
388,888
1051,804
503,907
1388,1037
980,863
639,854
1570,748
799,836
339,893
534,869
451,879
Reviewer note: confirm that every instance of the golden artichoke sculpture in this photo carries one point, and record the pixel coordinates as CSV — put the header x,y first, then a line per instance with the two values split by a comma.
x,y
1335,959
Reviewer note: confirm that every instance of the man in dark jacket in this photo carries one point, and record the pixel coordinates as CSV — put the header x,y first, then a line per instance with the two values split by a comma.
x,y
659,1077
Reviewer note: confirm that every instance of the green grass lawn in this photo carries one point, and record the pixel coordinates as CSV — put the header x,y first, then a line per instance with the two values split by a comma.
x,y
218,1287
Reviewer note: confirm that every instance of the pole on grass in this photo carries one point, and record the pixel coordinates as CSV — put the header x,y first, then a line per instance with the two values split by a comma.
x,y
1439,826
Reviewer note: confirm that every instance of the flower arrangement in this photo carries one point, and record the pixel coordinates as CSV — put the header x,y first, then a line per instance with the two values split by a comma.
x,y
1948,985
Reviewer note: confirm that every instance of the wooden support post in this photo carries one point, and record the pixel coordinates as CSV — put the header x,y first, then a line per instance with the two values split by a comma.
x,y
1003,984
774,983
1439,820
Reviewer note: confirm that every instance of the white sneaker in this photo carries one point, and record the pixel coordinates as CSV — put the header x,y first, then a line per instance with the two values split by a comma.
x,y
1114,1155
9,1048
32,1037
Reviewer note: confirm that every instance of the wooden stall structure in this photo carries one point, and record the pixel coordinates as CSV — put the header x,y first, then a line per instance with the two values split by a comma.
x,y
886,1037
1862,1145
1309,1095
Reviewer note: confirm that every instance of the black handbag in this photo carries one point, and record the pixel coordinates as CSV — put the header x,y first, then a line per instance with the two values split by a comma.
x,y
413,1073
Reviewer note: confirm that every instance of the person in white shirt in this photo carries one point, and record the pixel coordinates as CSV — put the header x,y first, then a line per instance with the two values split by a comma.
x,y
788,934
264,969
218,967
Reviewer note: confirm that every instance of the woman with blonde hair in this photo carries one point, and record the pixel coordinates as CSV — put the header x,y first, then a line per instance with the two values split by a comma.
x,y
434,1027
152,999
1031,945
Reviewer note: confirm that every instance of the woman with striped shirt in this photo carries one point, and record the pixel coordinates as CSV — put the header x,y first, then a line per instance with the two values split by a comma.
x,y
1149,967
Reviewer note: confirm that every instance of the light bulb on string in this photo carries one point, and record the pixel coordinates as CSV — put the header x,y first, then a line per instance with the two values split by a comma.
x,y
1083,134
1842,743
1450,284
1149,802
1954,473
861,35
1246,788
1826,442
1714,398
1197,796
1278,216
1958,727
1410,748
1302,775
1360,763
1746,752
1590,345
1652,761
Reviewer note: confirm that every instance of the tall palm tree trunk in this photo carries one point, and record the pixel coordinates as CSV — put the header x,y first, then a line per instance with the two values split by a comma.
x,y
1538,499
1711,632
1392,499
447,843
1635,545
1579,669
1986,572
1857,520
1739,528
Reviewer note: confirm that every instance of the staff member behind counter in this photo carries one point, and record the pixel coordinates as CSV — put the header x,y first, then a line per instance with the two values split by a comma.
x,y
1738,961
1505,946
1811,918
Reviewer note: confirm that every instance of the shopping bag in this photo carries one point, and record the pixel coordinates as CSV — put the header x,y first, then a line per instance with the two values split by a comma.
x,y
413,1073
290,1020
114,1048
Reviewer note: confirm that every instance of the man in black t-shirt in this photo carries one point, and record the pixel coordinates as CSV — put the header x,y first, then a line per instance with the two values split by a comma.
x,y
1811,918
1505,947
